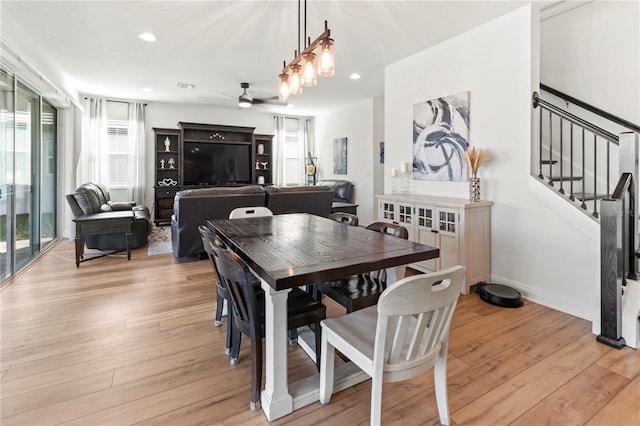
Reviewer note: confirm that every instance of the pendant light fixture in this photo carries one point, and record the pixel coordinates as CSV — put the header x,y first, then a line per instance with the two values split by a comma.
x,y
283,87
307,65
309,76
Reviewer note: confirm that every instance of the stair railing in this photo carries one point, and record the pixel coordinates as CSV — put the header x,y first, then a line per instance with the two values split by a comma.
x,y
618,245
572,126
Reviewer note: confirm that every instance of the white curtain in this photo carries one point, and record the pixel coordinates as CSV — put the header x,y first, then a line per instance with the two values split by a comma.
x,y
136,154
92,166
278,151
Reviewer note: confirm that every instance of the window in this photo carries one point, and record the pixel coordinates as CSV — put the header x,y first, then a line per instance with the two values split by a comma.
x,y
293,160
117,153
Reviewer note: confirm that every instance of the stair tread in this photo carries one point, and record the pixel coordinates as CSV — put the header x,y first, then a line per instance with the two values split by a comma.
x,y
589,196
565,178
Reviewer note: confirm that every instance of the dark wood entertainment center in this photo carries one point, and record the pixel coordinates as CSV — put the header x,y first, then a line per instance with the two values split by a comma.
x,y
216,156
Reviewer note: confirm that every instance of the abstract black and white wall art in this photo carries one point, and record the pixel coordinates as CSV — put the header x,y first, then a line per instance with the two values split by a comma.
x,y
440,138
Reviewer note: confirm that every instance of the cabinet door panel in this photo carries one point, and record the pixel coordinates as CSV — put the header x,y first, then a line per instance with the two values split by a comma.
x,y
449,252
429,238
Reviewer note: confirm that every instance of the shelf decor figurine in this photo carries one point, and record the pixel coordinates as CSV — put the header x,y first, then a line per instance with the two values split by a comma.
x,y
162,163
167,145
172,163
260,149
475,157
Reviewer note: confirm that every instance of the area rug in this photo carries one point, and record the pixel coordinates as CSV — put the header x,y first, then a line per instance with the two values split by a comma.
x,y
160,240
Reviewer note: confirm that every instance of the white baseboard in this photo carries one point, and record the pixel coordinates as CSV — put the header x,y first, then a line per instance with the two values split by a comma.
x,y
549,300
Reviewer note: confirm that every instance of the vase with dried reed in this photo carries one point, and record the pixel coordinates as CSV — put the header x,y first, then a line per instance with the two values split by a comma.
x,y
475,157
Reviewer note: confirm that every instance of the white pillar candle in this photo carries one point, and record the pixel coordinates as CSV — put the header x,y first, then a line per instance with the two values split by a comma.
x,y
403,167
394,172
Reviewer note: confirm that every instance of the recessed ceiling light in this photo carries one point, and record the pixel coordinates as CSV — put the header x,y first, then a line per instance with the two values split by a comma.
x,y
146,89
147,37
186,86
354,76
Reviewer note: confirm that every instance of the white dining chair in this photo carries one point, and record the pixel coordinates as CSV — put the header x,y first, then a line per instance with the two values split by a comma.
x,y
411,323
242,212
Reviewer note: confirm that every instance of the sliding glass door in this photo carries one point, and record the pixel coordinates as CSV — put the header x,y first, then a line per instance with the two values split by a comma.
x,y
27,174
7,113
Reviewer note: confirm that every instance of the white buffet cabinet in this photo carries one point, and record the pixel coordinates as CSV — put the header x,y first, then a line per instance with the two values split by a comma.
x,y
459,228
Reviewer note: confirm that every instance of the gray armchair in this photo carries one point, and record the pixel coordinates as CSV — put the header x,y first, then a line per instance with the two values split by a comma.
x,y
91,198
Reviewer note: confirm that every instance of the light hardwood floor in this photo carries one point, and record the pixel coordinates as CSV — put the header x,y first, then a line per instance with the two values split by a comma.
x,y
116,343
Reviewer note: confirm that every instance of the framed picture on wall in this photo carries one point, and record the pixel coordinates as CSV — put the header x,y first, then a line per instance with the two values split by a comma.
x,y
340,156
440,138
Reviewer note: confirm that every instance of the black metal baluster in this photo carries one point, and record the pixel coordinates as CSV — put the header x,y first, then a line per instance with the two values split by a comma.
x,y
584,176
540,175
595,176
561,190
550,149
571,196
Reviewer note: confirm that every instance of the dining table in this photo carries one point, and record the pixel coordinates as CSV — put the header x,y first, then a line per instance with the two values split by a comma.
x,y
294,250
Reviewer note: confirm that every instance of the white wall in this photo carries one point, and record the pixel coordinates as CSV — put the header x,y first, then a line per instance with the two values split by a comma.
x,y
356,123
592,53
534,249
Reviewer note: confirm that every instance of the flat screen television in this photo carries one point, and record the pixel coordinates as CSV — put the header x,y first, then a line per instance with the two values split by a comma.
x,y
214,163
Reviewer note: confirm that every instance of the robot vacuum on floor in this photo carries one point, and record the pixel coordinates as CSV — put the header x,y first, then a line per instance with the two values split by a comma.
x,y
500,295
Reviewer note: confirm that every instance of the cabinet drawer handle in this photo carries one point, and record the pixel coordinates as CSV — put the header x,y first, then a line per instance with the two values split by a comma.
x,y
435,231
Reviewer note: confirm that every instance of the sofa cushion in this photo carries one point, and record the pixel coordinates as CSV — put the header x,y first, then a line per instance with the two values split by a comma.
x,y
88,199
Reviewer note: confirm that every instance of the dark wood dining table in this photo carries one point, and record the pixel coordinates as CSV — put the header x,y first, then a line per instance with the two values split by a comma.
x,y
292,250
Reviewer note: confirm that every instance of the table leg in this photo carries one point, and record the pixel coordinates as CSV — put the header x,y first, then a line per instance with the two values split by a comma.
x,y
276,399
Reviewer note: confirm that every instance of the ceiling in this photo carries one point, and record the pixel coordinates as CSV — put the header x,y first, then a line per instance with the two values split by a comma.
x,y
216,45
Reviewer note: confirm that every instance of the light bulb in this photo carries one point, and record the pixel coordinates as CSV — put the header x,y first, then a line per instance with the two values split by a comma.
x,y
326,67
295,85
309,70
283,89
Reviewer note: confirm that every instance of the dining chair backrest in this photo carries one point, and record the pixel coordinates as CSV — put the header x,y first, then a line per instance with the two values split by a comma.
x,y
390,229
414,317
239,283
242,212
209,240
348,218
411,321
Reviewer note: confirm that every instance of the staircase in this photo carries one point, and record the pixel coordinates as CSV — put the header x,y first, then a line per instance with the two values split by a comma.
x,y
597,171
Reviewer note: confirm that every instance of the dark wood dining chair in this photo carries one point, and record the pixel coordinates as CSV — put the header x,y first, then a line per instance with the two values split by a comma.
x,y
348,218
222,294
363,290
248,307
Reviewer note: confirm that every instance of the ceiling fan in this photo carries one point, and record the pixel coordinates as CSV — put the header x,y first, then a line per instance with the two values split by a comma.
x,y
246,101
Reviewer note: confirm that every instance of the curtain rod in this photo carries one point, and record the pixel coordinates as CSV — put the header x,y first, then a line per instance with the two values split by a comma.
x,y
117,101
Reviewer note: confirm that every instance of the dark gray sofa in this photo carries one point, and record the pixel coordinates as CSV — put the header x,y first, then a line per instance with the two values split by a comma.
x,y
193,207
300,199
90,198
342,195
342,189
